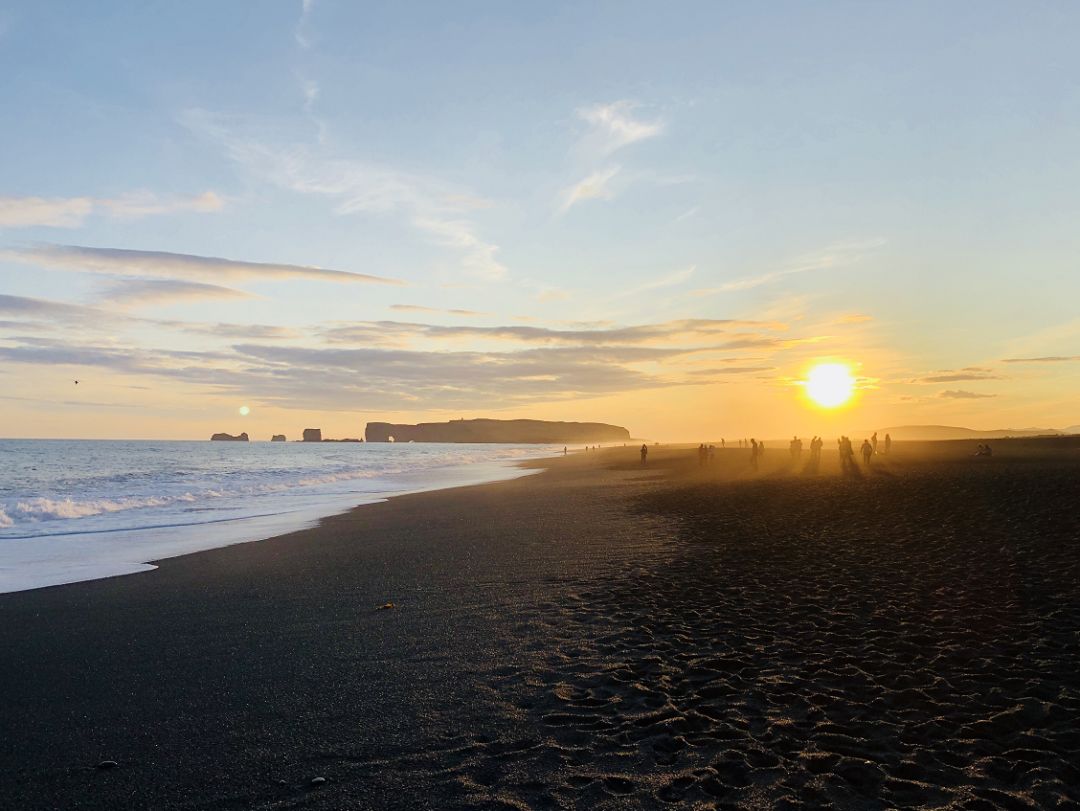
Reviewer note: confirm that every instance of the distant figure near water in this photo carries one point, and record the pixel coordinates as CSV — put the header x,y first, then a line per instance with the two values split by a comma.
x,y
888,444
753,453
867,451
644,453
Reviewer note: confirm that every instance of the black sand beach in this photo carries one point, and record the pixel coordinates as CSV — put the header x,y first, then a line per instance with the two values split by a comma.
x,y
595,636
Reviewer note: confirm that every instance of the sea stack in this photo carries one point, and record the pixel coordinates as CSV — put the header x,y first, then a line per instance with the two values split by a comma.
x,y
484,430
277,438
312,435
229,438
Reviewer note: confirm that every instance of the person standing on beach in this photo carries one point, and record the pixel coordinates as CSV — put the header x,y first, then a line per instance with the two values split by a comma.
x,y
867,451
873,441
564,450
753,453
888,444
644,453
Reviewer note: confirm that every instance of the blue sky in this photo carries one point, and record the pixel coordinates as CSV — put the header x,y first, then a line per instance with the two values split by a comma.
x,y
751,188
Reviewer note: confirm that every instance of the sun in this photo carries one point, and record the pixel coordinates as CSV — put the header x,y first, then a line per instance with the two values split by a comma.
x,y
244,411
830,385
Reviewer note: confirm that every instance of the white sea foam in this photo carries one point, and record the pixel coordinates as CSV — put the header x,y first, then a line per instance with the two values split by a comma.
x,y
74,511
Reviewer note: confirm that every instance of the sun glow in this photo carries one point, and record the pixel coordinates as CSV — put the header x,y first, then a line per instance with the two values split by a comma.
x,y
830,385
244,411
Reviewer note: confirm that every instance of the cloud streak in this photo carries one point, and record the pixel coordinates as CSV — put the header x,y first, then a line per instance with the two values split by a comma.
x,y
839,255
362,187
594,187
699,331
72,212
418,308
960,394
125,262
1046,359
145,292
613,126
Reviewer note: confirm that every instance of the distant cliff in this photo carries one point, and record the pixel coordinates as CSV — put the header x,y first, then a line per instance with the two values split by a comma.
x,y
277,438
312,435
229,438
939,432
511,431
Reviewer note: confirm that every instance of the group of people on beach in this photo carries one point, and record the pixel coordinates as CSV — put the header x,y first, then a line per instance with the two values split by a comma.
x,y
707,452
795,447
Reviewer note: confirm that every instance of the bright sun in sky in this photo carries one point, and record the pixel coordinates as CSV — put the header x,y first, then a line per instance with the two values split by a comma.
x,y
830,384
244,411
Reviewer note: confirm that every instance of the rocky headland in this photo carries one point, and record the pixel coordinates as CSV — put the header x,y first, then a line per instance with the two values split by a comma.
x,y
485,430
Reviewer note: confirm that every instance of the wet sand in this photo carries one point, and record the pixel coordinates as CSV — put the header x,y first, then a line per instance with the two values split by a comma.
x,y
596,636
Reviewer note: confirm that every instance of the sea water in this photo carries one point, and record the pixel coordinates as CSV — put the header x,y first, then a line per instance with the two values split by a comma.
x,y
74,510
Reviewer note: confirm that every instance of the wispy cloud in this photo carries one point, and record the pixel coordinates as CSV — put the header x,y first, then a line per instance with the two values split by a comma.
x,y
960,394
301,33
361,187
311,93
144,292
613,126
387,364
417,308
1047,359
957,376
672,279
839,255
72,212
854,318
27,307
699,332
124,262
594,187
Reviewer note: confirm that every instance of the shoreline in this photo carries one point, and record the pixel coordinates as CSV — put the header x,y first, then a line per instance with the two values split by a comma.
x,y
598,635
138,550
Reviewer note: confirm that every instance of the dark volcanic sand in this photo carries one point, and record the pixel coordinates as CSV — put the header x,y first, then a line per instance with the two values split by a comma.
x,y
597,636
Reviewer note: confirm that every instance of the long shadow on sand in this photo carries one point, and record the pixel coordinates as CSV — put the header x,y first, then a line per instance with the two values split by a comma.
x,y
839,643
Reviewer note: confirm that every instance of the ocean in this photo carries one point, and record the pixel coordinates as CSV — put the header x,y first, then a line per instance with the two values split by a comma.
x,y
73,510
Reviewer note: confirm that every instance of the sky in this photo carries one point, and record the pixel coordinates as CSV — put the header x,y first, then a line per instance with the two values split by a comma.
x,y
654,215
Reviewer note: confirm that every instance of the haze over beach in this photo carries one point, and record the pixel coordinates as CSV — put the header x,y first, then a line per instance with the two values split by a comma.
x,y
536,406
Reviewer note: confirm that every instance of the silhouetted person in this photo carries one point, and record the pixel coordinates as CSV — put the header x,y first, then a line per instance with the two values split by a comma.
x,y
873,442
644,453
888,443
722,443
867,451
753,453
564,450
847,454
712,453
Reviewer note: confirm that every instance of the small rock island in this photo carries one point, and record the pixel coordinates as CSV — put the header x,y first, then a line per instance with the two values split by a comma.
x,y
229,437
277,438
